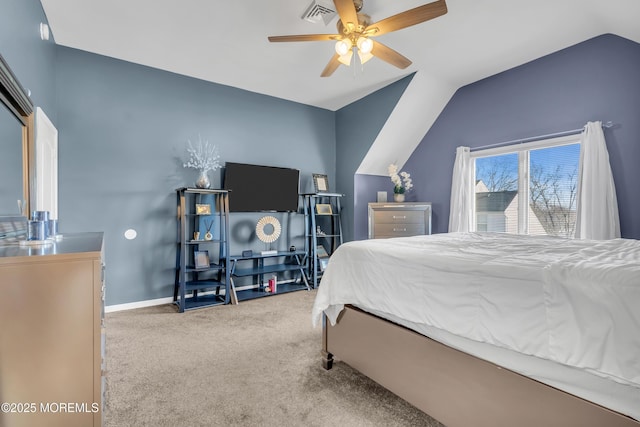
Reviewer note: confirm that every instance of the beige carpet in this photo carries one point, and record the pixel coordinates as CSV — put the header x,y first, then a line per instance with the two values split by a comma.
x,y
254,364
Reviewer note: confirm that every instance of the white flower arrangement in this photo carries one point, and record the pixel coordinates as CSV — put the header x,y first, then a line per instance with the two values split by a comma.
x,y
401,180
203,156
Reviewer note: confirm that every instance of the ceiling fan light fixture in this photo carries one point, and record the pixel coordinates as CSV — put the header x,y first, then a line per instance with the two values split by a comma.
x,y
343,47
346,58
365,45
364,57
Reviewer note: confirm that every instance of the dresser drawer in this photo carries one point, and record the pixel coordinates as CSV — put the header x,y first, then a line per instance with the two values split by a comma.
x,y
399,220
399,217
399,230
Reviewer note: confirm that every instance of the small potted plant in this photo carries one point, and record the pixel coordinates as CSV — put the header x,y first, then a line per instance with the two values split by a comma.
x,y
401,182
203,157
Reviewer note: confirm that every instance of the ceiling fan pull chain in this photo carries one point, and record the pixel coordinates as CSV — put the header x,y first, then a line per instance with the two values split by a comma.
x,y
353,61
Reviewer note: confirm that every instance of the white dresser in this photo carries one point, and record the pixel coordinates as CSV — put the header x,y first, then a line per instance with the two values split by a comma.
x,y
399,219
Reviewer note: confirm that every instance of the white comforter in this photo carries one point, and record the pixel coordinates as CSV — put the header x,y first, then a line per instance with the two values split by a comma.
x,y
575,302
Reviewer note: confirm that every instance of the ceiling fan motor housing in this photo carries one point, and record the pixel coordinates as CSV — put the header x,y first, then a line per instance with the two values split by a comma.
x,y
364,21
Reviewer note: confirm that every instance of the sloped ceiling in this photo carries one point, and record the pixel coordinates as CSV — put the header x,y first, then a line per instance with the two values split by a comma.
x,y
226,41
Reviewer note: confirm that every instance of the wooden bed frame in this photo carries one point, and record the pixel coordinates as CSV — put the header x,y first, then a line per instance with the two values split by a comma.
x,y
457,389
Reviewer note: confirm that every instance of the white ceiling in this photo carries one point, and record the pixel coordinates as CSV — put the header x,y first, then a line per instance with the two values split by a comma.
x,y
226,41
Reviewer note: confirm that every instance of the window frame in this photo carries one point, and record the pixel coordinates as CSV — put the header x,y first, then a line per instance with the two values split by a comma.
x,y
522,149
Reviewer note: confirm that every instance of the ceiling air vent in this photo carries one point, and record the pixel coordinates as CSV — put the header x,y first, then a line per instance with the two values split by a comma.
x,y
320,11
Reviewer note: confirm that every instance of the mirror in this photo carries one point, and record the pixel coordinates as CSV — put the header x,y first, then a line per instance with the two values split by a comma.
x,y
16,145
11,173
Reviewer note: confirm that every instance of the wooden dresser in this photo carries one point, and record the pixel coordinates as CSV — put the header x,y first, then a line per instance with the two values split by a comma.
x,y
399,219
52,333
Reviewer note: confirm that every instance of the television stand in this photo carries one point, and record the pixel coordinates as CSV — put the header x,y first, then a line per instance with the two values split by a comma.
x,y
284,261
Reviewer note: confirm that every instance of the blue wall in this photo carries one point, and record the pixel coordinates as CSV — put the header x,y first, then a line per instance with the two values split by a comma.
x,y
357,126
123,129
32,61
598,79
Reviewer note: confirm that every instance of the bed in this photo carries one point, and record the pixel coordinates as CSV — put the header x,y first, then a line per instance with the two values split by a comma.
x,y
488,329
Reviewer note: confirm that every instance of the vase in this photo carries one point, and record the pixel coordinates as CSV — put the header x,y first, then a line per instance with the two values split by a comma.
x,y
203,180
397,197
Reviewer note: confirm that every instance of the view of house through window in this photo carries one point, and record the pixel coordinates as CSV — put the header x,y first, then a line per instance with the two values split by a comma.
x,y
528,188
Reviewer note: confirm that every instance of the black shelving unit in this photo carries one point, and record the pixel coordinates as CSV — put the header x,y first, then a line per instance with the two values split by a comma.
x,y
254,265
206,283
322,212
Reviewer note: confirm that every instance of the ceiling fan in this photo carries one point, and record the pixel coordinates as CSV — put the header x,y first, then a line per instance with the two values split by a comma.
x,y
355,32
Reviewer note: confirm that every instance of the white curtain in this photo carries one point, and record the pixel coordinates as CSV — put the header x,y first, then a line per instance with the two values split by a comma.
x,y
597,205
462,194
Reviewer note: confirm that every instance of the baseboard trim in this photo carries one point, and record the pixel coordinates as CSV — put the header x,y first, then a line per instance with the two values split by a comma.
x,y
162,301
137,304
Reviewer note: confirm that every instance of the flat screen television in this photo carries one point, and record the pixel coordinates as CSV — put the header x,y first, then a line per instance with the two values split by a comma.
x,y
255,188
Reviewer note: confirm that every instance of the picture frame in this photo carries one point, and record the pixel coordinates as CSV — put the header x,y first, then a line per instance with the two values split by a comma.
x,y
324,209
203,209
201,259
320,183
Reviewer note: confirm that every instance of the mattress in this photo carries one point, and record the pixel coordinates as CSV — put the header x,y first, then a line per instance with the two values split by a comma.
x,y
561,311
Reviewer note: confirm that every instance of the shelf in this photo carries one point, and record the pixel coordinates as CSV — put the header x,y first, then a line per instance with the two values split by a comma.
x,y
202,242
201,301
329,225
267,269
193,190
214,276
293,261
257,255
322,194
212,267
195,285
283,288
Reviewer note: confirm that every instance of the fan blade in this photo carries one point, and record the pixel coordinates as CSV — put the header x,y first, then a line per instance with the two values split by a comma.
x,y
347,12
408,18
305,38
389,55
331,66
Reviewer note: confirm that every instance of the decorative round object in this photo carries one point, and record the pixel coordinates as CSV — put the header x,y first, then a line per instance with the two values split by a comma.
x,y
268,229
208,236
203,180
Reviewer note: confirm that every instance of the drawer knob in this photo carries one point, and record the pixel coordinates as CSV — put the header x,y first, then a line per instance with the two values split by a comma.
x,y
399,217
399,229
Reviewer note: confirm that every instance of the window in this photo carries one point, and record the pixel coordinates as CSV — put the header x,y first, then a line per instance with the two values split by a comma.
x,y
528,188
481,222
